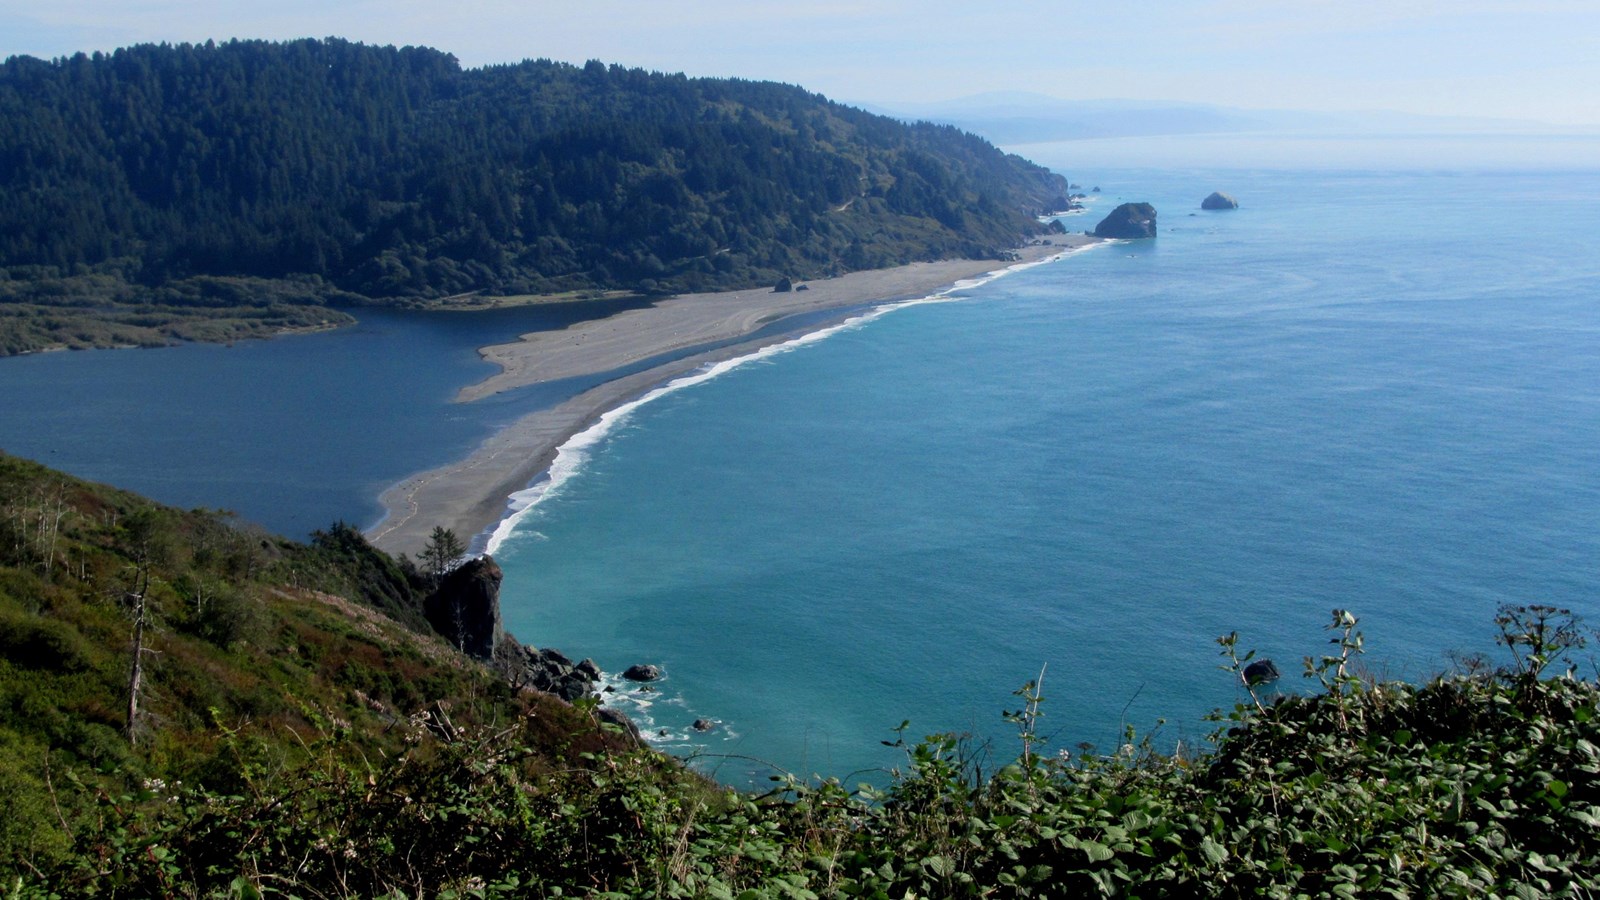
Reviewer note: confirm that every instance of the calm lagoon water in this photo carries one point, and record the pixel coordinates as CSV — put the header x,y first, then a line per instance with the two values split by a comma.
x,y
1370,387
293,433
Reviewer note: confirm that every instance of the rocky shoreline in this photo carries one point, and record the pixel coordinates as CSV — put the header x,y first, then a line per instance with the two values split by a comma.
x,y
465,611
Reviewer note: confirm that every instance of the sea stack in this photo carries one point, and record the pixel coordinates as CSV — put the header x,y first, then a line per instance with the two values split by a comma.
x,y
1219,200
1130,220
642,672
465,609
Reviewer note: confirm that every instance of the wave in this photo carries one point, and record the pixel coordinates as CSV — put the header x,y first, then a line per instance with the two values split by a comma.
x,y
665,720
571,456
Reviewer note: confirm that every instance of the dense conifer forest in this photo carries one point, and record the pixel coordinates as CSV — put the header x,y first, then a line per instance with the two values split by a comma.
x,y
203,191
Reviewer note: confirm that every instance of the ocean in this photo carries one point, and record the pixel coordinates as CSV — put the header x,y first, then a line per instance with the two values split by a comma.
x,y
1374,386
1372,390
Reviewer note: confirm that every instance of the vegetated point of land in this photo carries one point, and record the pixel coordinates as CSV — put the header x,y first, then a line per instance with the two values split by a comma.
x,y
207,192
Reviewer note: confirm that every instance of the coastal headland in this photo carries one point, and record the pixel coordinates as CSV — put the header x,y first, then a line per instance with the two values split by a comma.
x,y
469,496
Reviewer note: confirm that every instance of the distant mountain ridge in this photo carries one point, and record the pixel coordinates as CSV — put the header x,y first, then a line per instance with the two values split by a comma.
x,y
336,170
1016,117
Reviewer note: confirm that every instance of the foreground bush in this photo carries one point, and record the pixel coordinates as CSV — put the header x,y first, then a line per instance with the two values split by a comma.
x,y
1480,784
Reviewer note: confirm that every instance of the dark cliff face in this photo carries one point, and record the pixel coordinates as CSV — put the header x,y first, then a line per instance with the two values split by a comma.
x,y
1130,220
466,607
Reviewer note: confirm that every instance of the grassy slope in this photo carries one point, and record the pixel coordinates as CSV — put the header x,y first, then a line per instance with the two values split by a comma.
x,y
255,655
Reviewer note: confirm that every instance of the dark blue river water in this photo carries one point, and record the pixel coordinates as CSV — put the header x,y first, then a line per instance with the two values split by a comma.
x,y
292,433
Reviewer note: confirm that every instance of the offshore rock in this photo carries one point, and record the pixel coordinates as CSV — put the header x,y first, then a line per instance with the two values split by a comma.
x,y
465,609
1129,221
1219,200
1262,671
642,673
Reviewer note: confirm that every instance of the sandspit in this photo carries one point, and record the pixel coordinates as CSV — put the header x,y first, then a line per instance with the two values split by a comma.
x,y
470,496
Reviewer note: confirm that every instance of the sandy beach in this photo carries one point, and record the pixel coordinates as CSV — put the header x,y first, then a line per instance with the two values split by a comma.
x,y
470,496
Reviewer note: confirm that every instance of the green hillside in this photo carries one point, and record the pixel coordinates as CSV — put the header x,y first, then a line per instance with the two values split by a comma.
x,y
292,740
214,191
260,656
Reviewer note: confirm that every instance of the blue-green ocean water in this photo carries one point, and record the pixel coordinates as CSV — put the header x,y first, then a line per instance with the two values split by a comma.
x,y
1374,387
1371,390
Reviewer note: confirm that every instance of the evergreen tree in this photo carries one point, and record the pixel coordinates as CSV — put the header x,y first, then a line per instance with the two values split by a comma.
x,y
443,552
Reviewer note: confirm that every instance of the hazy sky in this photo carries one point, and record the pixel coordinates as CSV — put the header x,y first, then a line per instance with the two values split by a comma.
x,y
1530,59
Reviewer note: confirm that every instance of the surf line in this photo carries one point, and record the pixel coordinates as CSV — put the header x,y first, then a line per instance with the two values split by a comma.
x,y
572,454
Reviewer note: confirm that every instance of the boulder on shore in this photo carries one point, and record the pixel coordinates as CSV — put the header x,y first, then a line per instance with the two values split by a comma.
x,y
1130,221
1219,200
610,716
549,671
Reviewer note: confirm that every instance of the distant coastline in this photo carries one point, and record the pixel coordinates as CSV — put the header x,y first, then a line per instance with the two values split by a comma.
x,y
471,495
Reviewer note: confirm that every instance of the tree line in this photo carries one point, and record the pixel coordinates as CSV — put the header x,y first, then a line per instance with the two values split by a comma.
x,y
351,172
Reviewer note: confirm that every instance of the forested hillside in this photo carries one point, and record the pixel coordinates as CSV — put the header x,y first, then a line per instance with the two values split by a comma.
x,y
255,174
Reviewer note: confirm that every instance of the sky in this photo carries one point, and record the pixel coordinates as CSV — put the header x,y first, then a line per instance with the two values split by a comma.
x,y
1535,60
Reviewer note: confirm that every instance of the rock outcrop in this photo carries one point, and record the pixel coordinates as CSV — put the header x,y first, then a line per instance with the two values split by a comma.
x,y
1219,200
641,673
465,609
611,717
1130,220
547,670
1262,671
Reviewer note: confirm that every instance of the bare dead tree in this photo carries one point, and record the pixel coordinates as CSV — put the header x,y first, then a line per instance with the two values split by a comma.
x,y
146,537
139,597
50,521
